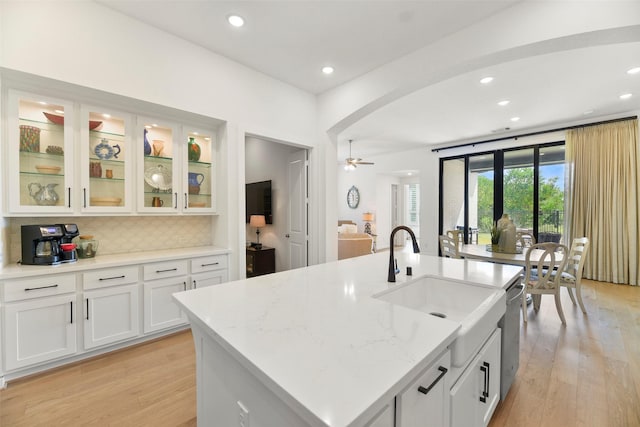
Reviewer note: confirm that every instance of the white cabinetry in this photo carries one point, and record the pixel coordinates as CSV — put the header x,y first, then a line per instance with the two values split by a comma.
x,y
476,393
39,155
39,320
425,402
161,280
209,271
111,308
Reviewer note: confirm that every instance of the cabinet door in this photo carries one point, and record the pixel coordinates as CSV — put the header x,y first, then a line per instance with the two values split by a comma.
x,y
160,310
110,315
475,395
159,151
426,401
200,173
40,154
105,160
39,330
211,278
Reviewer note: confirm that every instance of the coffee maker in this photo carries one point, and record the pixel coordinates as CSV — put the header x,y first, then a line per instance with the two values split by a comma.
x,y
41,243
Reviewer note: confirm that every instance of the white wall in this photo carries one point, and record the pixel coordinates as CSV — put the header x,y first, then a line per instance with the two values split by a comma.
x,y
267,160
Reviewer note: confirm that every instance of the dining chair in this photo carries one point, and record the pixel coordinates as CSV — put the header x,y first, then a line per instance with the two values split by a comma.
x,y
449,247
540,278
456,235
524,239
571,276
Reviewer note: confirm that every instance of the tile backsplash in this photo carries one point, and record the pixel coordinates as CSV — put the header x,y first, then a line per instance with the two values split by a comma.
x,y
127,234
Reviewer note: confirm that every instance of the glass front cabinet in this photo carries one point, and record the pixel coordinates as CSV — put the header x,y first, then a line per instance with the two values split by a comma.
x,y
40,154
176,168
106,165
105,161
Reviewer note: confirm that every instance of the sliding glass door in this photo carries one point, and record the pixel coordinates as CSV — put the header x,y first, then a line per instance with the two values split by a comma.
x,y
527,183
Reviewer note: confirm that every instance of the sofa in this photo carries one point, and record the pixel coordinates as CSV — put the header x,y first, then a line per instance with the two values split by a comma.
x,y
351,243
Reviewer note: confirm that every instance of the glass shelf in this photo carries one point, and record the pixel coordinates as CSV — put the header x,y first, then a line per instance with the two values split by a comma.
x,y
107,161
100,179
206,165
96,133
44,175
46,156
158,158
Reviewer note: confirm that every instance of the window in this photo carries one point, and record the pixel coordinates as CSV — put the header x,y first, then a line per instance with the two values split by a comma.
x,y
527,183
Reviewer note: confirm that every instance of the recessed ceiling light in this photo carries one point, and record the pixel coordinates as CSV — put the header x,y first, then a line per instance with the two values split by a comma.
x,y
634,70
409,173
147,126
504,102
515,119
327,69
626,96
106,116
59,111
587,112
236,20
42,103
486,80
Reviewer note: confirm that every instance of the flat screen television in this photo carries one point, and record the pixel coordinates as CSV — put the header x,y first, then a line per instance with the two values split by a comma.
x,y
258,200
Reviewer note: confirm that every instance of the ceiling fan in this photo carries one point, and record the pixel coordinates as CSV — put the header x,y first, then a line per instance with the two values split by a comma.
x,y
352,162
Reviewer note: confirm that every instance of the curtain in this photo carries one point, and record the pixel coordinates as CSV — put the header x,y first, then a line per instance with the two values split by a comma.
x,y
602,201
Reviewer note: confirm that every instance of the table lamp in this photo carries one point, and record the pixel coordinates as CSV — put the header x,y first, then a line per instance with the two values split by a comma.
x,y
258,222
367,217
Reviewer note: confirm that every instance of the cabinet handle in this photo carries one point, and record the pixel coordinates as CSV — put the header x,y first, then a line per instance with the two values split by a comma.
x,y
485,389
211,263
165,271
71,305
41,287
443,371
195,285
84,197
185,285
112,278
185,200
87,299
69,194
175,206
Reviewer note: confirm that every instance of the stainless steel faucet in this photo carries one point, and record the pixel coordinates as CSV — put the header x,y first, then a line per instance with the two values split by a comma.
x,y
392,266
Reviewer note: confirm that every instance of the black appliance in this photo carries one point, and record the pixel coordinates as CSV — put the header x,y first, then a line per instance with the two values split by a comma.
x,y
41,243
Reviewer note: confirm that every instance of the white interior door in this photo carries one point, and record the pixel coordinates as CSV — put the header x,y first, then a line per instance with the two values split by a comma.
x,y
297,228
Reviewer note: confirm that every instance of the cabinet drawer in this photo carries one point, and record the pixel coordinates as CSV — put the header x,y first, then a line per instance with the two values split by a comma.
x,y
15,290
209,263
160,270
109,277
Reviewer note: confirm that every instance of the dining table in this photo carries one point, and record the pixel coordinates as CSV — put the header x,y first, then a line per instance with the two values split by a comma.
x,y
485,253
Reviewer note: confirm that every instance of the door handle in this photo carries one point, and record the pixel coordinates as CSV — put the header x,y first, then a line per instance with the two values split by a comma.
x,y
485,389
443,371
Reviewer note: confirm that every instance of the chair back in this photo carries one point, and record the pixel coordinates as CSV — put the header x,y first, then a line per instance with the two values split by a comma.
x,y
577,257
455,235
541,275
524,239
449,247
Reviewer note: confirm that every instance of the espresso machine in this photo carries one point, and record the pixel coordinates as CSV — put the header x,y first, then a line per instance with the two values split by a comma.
x,y
41,244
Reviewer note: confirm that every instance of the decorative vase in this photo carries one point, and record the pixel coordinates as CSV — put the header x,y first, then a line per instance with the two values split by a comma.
x,y
147,146
194,150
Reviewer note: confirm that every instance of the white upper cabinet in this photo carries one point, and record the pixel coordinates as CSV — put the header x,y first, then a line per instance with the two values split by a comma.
x,y
199,165
106,160
39,154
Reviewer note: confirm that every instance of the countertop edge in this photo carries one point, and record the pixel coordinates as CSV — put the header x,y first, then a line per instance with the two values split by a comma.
x,y
18,271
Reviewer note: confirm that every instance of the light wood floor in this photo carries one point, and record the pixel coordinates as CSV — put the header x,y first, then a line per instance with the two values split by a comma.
x,y
584,374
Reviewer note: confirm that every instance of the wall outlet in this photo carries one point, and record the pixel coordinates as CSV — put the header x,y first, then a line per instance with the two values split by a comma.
x,y
243,415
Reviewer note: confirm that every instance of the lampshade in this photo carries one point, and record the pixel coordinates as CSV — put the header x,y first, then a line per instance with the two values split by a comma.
x,y
257,221
367,216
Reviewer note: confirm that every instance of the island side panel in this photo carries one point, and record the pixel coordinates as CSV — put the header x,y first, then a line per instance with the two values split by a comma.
x,y
222,382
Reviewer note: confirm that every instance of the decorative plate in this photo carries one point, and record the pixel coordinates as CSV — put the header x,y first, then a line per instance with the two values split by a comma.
x,y
158,177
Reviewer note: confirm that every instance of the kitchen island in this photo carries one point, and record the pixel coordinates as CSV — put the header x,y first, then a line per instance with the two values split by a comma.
x,y
313,346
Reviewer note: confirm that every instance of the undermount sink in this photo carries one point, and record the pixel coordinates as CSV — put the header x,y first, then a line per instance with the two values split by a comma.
x,y
477,309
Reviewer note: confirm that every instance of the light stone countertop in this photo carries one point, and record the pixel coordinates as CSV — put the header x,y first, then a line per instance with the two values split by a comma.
x,y
104,261
317,337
